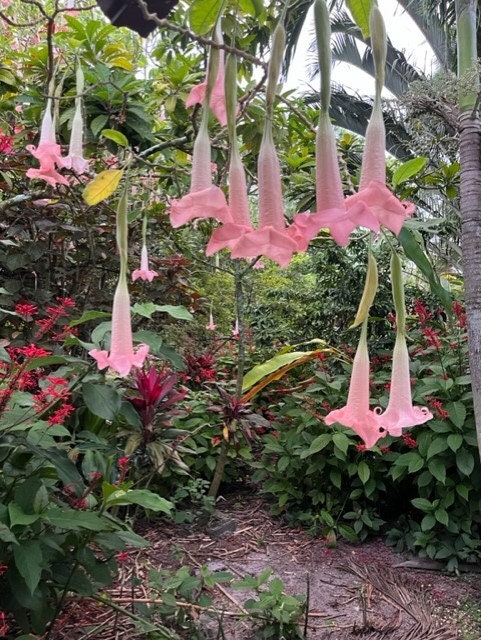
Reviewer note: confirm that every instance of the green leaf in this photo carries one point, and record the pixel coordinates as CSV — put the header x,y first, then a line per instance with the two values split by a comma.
x,y
17,515
457,413
175,311
6,535
89,315
360,10
115,136
44,361
103,401
270,366
363,472
102,186
203,15
422,504
98,124
414,252
28,560
441,516
347,532
71,519
437,446
428,522
142,497
455,440
465,461
408,169
437,468
317,444
341,441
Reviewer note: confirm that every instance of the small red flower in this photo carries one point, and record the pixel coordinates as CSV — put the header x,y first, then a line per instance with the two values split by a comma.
x,y
123,462
361,447
410,442
385,449
26,310
215,440
122,556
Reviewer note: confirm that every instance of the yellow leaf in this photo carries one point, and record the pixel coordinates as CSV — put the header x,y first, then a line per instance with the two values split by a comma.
x,y
225,433
370,288
102,186
122,62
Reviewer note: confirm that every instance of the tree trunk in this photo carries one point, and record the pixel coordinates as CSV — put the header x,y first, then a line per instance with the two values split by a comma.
x,y
470,159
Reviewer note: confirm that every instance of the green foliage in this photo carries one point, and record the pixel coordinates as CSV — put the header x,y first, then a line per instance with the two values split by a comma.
x,y
321,477
276,614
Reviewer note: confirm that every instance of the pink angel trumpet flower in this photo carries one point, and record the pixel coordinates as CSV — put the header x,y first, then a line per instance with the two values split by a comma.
x,y
332,212
205,200
356,414
400,413
229,234
144,273
47,152
211,326
75,160
271,238
373,192
121,357
217,96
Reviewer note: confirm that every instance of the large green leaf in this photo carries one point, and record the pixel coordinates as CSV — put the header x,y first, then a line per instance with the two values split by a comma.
x,y
270,366
142,497
103,401
71,519
360,10
203,15
414,252
175,311
28,560
408,169
89,315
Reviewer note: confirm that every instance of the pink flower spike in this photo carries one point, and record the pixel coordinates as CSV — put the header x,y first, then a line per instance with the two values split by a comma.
x,y
75,160
211,326
122,356
271,206
400,413
144,273
356,413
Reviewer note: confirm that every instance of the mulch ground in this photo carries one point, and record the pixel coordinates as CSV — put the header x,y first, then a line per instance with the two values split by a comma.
x,y
354,591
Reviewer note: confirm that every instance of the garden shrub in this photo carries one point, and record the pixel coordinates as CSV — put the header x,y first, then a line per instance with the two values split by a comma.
x,y
425,485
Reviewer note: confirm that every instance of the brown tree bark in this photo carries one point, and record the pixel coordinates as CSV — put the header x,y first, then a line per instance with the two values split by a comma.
x,y
470,158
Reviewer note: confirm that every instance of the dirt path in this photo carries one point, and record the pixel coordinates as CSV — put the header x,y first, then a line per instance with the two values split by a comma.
x,y
354,591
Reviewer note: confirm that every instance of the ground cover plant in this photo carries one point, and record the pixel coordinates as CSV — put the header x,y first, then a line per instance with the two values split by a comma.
x,y
205,285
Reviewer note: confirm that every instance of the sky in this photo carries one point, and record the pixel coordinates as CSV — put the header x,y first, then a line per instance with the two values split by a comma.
x,y
403,33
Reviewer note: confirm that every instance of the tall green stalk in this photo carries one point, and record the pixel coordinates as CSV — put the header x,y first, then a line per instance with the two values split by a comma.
x,y
470,189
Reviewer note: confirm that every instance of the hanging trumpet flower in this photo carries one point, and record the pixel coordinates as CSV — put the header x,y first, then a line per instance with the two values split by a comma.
x,y
373,192
121,357
331,210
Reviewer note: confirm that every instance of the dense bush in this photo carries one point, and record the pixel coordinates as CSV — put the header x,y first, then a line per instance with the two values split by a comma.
x,y
424,486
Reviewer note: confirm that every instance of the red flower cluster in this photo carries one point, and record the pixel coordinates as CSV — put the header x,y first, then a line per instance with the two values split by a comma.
x,y
410,442
460,314
422,311
432,337
437,405
45,325
199,369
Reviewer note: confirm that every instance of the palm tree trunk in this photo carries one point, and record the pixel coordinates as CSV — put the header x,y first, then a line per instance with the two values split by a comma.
x,y
470,158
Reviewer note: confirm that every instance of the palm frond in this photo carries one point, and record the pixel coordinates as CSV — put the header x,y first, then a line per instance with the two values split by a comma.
x,y
352,112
